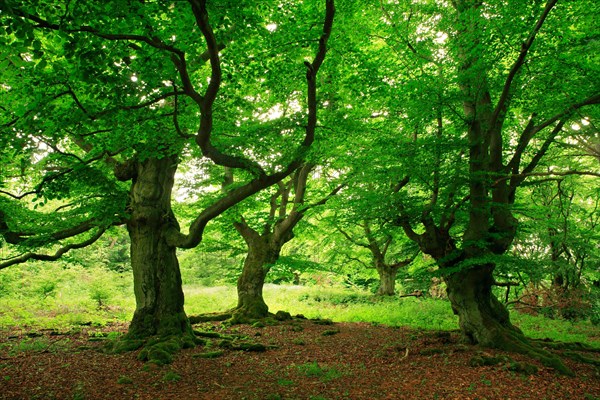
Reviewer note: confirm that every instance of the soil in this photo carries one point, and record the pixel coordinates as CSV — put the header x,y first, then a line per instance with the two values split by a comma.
x,y
304,360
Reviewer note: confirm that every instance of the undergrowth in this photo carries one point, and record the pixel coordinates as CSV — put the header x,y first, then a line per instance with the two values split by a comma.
x,y
59,298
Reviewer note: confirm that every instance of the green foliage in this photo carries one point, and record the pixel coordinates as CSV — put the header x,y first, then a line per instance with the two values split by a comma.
x,y
71,302
540,327
214,268
29,344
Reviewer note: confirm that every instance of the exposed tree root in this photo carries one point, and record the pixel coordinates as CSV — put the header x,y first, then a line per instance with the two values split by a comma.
x,y
514,341
576,346
572,350
158,350
581,358
522,368
210,317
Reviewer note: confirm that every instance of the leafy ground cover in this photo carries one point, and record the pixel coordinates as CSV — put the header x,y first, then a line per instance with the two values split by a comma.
x,y
305,359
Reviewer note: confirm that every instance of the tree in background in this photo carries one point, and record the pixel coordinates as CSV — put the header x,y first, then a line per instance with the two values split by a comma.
x,y
104,100
378,243
287,206
557,249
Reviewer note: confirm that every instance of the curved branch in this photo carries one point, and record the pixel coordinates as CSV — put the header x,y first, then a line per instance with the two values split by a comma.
x,y
524,175
206,102
20,237
262,180
47,257
351,239
502,105
42,23
567,112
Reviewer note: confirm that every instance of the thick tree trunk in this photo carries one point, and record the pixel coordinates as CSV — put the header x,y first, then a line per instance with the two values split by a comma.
x,y
156,275
251,304
482,318
485,321
387,280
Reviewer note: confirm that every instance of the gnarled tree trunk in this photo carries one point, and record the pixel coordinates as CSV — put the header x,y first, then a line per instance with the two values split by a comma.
x,y
482,318
262,253
485,321
251,304
156,275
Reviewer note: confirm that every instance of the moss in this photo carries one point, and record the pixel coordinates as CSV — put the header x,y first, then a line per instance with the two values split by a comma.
x,y
212,335
258,324
242,346
523,368
124,345
270,321
483,359
476,361
155,355
209,354
575,346
171,376
512,340
283,316
430,352
319,321
256,347
212,317
160,350
124,380
581,358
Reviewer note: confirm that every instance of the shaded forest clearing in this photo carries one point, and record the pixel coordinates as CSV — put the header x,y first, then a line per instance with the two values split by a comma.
x,y
302,359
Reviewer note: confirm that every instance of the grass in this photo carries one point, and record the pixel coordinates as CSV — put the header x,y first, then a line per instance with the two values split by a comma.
x,y
324,373
97,297
37,344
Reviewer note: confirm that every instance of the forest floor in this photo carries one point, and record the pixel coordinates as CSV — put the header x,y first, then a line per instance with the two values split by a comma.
x,y
305,359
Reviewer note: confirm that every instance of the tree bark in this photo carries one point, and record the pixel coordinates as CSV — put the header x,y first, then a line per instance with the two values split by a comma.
x,y
387,280
485,321
156,275
261,255
482,318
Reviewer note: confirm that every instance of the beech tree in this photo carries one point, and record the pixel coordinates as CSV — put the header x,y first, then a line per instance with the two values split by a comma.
x,y
265,238
103,100
492,88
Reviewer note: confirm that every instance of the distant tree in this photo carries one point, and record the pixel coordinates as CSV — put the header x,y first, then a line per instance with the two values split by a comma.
x,y
287,206
386,263
557,244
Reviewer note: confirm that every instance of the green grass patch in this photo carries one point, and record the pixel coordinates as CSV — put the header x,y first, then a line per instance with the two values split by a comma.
x,y
171,376
539,327
324,373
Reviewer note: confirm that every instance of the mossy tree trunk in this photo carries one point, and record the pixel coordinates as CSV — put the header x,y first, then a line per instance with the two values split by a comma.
x,y
379,245
387,279
156,275
482,318
264,247
263,252
261,255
